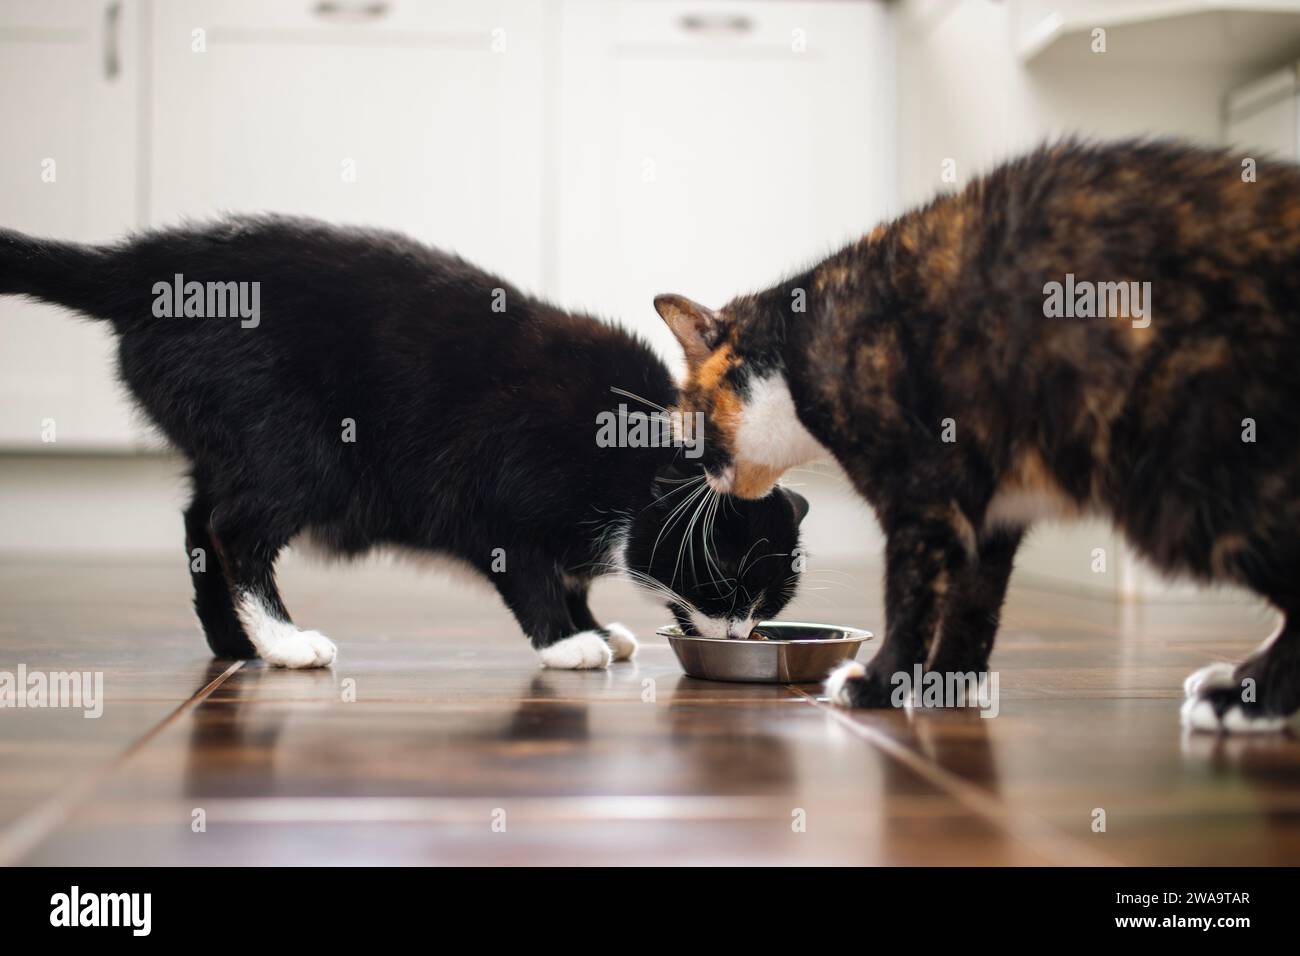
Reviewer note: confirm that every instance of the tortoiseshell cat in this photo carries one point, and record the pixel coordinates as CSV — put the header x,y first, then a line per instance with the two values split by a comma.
x,y
934,359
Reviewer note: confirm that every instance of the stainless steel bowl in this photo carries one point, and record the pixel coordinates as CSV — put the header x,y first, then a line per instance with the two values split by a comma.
x,y
795,653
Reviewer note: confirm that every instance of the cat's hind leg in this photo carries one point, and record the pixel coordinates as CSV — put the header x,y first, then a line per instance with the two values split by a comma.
x,y
1259,695
248,542
212,600
622,642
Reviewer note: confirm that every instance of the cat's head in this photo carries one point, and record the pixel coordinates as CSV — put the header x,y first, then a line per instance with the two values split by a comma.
x,y
736,378
721,563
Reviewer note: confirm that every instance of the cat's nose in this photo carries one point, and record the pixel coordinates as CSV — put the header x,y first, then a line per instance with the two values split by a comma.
x,y
739,630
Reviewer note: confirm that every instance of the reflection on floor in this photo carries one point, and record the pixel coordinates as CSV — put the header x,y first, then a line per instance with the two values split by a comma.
x,y
436,739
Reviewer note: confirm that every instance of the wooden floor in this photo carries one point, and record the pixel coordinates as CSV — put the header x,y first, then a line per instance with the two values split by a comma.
x,y
457,749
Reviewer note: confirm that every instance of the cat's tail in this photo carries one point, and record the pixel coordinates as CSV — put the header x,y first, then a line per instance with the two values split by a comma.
x,y
69,274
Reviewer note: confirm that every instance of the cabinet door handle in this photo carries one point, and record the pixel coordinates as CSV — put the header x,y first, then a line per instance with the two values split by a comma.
x,y
112,40
341,11
716,23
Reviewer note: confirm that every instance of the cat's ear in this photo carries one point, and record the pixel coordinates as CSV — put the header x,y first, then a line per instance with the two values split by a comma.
x,y
798,502
697,328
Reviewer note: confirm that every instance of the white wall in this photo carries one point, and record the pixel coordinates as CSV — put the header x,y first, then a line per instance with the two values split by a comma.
x,y
714,161
596,152
965,93
69,138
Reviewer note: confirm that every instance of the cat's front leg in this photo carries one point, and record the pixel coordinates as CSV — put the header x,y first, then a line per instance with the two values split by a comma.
x,y
924,554
971,619
622,642
540,601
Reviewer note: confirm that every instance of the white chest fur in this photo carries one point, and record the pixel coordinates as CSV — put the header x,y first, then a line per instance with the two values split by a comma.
x,y
770,433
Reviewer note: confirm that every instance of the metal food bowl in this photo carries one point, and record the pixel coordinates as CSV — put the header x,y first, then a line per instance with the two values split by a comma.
x,y
794,653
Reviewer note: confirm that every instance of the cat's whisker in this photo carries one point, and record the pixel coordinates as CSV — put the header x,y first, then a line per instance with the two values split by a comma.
x,y
644,580
687,541
684,484
741,570
673,517
631,574
625,393
831,575
705,539
709,522
831,571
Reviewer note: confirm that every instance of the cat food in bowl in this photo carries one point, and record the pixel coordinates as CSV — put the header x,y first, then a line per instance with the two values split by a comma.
x,y
776,652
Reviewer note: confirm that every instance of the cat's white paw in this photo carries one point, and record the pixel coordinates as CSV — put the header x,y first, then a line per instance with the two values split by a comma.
x,y
1212,675
1198,713
1215,704
295,648
585,650
280,643
622,642
835,684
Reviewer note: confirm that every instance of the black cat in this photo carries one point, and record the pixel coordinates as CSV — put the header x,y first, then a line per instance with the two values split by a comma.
x,y
368,390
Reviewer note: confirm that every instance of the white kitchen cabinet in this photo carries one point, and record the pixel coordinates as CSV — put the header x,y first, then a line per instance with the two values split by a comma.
x,y
596,152
420,116
69,83
712,148
1200,33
